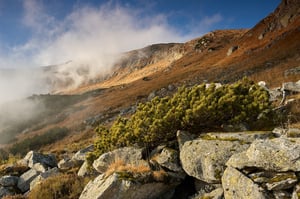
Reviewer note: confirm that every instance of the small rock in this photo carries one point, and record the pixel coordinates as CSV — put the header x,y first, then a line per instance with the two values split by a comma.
x,y
231,50
81,154
40,162
169,158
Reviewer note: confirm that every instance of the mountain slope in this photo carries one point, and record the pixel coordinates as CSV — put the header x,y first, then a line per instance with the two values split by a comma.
x,y
269,51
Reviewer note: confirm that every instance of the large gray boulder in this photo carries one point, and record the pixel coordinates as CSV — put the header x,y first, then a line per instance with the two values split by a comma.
x,y
126,155
9,181
118,186
278,154
205,158
25,180
39,162
236,186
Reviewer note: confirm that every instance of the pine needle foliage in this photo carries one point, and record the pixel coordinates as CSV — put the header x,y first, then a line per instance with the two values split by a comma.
x,y
196,109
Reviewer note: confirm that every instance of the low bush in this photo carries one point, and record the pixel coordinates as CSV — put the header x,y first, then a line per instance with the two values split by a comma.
x,y
196,109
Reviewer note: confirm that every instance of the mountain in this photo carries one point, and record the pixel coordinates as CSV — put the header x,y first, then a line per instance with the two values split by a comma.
x,y
270,52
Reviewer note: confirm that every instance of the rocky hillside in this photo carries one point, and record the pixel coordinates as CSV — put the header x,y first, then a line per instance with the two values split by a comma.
x,y
244,164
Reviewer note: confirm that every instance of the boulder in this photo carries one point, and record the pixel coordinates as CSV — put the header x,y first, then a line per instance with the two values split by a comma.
x,y
9,181
43,176
85,171
40,162
278,154
126,155
6,191
169,158
81,154
236,186
25,180
66,164
118,186
205,158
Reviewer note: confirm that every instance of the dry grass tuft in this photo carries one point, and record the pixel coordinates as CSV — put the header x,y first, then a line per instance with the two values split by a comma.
x,y
159,175
120,166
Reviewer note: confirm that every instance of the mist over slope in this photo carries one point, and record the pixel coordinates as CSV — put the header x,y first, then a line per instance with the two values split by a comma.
x,y
269,51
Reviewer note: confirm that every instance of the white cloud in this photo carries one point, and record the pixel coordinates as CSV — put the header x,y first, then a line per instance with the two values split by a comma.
x,y
91,37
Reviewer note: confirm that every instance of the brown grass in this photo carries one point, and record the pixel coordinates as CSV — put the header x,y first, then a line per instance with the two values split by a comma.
x,y
159,175
119,166
278,48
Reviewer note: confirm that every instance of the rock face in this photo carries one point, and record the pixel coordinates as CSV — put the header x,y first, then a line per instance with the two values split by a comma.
x,y
40,162
118,187
205,157
279,154
127,155
26,179
237,186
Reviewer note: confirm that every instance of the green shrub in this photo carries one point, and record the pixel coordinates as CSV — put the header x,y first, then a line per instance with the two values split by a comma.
x,y
62,186
36,142
195,109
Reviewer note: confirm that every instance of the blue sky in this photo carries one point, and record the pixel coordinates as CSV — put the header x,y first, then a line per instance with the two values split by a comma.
x,y
44,32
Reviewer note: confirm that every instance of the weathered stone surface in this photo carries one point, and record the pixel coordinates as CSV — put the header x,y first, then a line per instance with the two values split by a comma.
x,y
278,154
26,179
237,186
282,181
85,171
116,187
9,181
43,176
6,191
280,194
205,157
273,180
291,86
81,154
215,194
296,192
127,155
40,162
169,158
66,164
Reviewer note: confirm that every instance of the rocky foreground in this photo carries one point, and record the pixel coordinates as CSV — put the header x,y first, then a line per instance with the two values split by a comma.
x,y
249,164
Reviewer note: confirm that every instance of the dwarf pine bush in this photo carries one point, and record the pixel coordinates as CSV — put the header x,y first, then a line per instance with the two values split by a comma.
x,y
196,109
